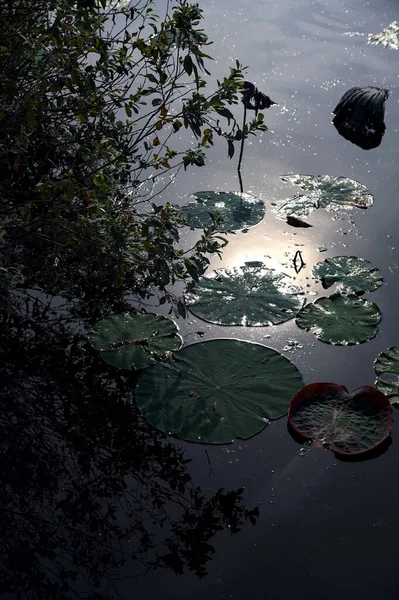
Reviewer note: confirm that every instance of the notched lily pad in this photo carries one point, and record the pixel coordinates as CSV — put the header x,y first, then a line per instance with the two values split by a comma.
x,y
388,37
353,273
386,367
136,341
237,211
217,391
322,191
347,423
249,295
340,319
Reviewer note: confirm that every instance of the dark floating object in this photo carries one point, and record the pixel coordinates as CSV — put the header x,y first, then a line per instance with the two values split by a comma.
x,y
359,116
253,99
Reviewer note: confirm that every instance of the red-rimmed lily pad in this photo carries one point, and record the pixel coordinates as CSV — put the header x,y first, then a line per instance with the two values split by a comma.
x,y
347,423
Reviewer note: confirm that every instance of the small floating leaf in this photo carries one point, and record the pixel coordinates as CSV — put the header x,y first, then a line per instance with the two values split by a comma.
x,y
347,423
237,211
134,341
217,391
353,273
249,295
327,192
340,319
388,37
386,368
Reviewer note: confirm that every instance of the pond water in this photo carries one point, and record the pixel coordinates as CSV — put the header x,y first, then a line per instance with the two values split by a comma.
x,y
327,528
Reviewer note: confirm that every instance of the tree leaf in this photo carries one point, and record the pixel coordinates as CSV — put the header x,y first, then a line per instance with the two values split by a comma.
x,y
217,391
386,367
134,341
181,309
249,295
347,423
352,272
238,211
340,319
188,64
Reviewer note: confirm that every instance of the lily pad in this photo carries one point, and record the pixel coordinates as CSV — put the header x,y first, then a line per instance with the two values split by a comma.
x,y
329,192
347,423
298,206
388,37
249,295
353,273
340,319
237,211
386,368
136,341
217,391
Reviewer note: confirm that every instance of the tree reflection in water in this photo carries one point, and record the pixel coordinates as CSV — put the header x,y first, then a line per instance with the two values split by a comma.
x,y
87,485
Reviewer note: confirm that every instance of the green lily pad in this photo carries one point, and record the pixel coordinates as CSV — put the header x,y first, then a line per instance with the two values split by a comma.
x,y
340,319
388,37
298,206
249,295
238,211
386,367
217,391
134,341
347,423
325,192
353,273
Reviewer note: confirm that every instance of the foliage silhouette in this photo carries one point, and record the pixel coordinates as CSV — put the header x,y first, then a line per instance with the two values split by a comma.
x,y
87,485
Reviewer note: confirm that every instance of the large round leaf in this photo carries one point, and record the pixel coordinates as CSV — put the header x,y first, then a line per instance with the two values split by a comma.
x,y
353,273
134,341
217,391
340,319
238,211
348,423
386,368
328,191
248,295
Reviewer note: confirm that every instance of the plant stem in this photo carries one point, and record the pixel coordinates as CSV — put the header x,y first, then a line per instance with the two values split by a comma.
x,y
242,149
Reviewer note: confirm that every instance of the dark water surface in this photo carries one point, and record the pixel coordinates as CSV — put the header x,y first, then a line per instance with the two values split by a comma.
x,y
327,528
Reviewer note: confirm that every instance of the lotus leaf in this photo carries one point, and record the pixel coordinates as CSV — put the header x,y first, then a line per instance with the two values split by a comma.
x,y
353,273
327,192
217,391
340,319
388,37
386,368
136,341
347,423
237,211
249,295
